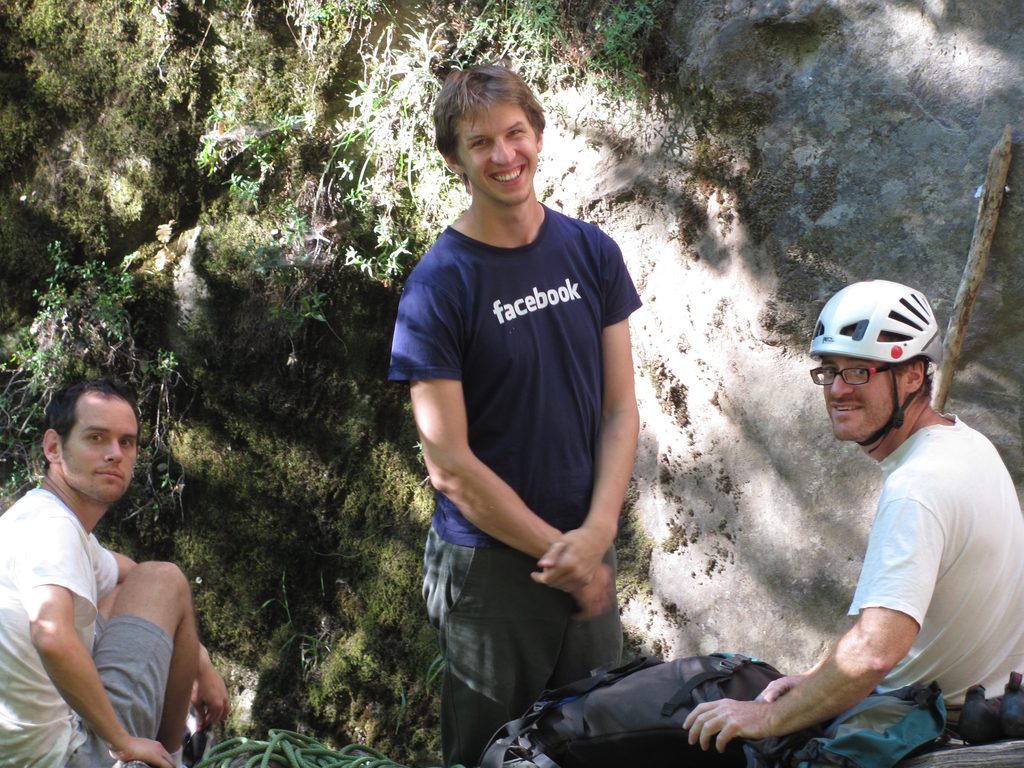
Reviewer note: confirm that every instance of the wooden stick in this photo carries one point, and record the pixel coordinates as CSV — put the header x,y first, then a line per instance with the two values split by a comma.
x,y
974,269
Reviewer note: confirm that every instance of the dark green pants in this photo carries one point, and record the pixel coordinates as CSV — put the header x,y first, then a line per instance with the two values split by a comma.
x,y
504,638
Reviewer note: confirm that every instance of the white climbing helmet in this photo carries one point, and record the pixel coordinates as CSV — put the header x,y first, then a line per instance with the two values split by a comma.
x,y
853,320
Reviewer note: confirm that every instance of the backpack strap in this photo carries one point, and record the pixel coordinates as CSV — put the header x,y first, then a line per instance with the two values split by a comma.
x,y
724,668
543,761
496,752
599,677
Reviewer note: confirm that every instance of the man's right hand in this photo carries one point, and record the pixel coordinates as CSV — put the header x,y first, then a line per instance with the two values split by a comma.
x,y
597,595
209,693
146,750
572,560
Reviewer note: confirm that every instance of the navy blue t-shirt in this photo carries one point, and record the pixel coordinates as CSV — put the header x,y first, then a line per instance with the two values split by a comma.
x,y
521,328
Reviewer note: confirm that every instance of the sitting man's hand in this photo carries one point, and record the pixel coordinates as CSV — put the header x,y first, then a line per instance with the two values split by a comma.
x,y
728,719
145,750
776,689
209,693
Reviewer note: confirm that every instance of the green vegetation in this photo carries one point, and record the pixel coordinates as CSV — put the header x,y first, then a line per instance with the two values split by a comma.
x,y
383,192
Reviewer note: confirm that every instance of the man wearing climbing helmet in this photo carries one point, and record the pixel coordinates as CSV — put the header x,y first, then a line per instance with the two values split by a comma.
x,y
886,332
941,590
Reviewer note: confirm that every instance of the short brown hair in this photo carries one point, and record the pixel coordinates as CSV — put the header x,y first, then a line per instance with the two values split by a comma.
x,y
469,91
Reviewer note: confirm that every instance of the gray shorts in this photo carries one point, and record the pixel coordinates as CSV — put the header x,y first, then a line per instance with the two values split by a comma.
x,y
133,657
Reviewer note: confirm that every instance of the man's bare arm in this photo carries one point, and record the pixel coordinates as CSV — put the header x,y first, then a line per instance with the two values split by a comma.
x,y
860,660
487,501
71,668
581,550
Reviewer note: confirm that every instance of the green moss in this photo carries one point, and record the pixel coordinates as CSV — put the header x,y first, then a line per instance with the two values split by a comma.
x,y
634,548
300,496
103,133
24,264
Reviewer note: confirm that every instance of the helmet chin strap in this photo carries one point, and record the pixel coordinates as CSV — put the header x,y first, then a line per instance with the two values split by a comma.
x,y
895,422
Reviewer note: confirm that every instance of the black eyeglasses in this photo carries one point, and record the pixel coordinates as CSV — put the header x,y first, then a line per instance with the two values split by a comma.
x,y
823,377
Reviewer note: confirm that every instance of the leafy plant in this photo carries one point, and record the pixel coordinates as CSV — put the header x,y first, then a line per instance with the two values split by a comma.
x,y
252,146
389,179
383,191
398,184
622,35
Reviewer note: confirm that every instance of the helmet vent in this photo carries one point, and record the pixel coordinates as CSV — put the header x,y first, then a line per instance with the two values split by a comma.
x,y
917,326
917,308
855,330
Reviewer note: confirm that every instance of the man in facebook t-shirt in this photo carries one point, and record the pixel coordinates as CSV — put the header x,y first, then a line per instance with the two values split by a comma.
x,y
513,333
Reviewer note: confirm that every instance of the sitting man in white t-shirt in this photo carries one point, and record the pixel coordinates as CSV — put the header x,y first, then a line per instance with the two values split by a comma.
x,y
941,593
100,654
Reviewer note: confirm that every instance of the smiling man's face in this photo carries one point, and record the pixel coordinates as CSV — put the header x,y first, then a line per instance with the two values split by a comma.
x,y
857,411
497,155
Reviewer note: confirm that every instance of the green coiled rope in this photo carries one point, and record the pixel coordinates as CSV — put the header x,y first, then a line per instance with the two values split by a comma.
x,y
288,749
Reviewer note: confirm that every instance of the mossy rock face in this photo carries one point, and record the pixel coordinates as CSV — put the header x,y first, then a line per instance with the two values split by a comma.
x,y
305,519
300,516
24,266
111,102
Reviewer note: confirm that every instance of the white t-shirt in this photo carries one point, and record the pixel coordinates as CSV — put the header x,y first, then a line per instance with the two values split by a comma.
x,y
41,543
947,548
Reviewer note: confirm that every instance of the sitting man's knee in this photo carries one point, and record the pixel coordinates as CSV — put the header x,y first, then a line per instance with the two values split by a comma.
x,y
167,575
157,569
153,582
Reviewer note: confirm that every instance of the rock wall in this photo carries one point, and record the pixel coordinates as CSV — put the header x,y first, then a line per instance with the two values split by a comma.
x,y
800,147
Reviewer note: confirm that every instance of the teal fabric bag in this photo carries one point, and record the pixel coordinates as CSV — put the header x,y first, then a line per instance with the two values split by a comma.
x,y
879,731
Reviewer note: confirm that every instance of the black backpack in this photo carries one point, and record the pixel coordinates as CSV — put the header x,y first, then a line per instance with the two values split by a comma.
x,y
630,715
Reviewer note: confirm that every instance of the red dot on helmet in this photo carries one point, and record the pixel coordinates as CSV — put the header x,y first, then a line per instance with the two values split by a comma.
x,y
897,353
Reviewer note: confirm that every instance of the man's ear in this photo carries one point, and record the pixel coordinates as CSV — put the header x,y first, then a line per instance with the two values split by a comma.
x,y
51,446
913,374
452,161
455,167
